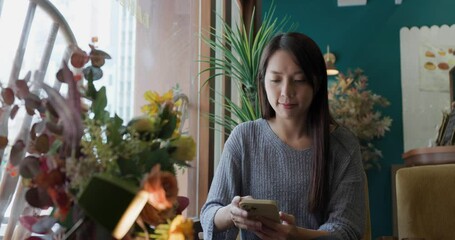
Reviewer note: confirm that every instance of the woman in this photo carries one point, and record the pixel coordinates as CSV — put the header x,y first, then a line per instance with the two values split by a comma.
x,y
295,154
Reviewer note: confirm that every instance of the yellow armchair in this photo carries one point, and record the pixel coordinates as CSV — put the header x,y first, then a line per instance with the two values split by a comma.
x,y
426,202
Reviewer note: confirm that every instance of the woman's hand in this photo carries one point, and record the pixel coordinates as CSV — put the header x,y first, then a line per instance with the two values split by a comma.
x,y
232,215
239,217
272,230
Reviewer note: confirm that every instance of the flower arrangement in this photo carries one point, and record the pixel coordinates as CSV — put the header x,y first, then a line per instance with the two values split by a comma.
x,y
73,141
355,107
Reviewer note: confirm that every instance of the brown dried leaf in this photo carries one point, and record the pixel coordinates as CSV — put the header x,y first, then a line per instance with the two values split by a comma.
x,y
59,75
51,110
42,143
79,58
30,111
8,96
22,89
3,142
38,197
101,53
13,112
32,101
37,129
51,179
29,167
17,152
54,128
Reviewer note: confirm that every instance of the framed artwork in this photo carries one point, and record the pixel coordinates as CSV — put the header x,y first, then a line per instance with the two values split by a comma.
x,y
446,133
435,61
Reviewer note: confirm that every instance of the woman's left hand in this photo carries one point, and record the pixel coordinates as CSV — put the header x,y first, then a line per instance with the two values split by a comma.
x,y
272,230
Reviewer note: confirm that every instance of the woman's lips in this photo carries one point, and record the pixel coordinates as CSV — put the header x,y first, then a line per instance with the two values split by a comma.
x,y
288,105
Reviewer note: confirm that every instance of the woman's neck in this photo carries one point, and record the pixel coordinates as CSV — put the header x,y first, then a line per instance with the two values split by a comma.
x,y
291,132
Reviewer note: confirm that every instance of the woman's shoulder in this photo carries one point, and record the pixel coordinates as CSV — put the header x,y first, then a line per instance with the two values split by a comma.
x,y
245,134
343,137
250,126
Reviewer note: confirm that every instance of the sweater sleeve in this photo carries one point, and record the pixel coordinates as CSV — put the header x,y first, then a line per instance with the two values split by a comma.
x,y
346,207
225,186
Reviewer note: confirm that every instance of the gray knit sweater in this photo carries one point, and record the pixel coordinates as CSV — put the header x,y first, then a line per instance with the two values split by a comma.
x,y
256,162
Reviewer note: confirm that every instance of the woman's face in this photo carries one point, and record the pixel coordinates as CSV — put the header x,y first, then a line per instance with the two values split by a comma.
x,y
288,90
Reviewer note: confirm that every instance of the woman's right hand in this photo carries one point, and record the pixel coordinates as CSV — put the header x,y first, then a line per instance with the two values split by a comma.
x,y
239,217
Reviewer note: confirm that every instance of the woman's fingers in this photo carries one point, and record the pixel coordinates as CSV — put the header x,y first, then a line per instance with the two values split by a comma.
x,y
245,223
287,218
239,216
265,234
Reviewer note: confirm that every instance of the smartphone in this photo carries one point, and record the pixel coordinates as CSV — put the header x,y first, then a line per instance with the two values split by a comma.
x,y
261,208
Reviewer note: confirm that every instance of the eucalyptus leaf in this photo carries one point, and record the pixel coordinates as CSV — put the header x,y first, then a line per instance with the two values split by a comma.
x,y
38,197
54,128
42,143
22,89
13,112
59,76
30,111
37,129
50,110
32,101
17,152
3,142
8,96
93,73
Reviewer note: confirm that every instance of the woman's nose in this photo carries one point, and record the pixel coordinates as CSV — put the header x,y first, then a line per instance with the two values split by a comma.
x,y
288,89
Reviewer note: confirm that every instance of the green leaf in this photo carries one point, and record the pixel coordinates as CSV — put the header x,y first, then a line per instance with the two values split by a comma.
x,y
91,90
115,130
99,104
55,147
159,156
241,51
129,168
168,128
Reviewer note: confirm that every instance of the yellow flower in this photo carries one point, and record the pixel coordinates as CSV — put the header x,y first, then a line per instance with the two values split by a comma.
x,y
156,102
150,109
185,148
155,98
181,228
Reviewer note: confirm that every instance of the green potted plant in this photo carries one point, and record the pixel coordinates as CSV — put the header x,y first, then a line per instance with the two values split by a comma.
x,y
241,52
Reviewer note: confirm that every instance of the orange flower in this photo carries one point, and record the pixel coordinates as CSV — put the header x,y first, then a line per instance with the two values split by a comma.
x,y
150,215
61,200
162,188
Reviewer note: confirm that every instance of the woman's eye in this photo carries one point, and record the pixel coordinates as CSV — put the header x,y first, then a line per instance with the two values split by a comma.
x,y
299,80
274,80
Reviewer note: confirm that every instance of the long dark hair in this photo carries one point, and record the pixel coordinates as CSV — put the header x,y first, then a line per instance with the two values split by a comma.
x,y
308,56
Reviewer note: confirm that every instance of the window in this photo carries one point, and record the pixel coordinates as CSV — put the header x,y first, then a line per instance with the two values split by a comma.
x,y
154,45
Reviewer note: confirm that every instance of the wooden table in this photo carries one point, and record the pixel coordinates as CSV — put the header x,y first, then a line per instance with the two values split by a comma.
x,y
429,156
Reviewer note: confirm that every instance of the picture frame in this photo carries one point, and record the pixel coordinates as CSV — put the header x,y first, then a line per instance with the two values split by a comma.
x,y
446,134
446,131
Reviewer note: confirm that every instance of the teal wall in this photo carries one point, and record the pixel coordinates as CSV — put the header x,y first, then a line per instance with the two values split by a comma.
x,y
368,37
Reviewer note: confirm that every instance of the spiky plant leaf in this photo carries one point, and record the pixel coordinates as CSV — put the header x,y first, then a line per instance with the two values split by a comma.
x,y
241,52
